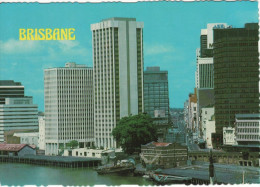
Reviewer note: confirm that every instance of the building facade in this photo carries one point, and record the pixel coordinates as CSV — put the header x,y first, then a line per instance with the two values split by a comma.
x,y
118,74
41,120
156,97
18,114
164,155
229,137
68,99
247,129
236,75
207,125
30,138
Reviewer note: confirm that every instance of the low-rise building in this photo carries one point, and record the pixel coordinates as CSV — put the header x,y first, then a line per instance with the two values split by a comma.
x,y
207,125
105,155
30,138
229,137
84,152
16,149
164,155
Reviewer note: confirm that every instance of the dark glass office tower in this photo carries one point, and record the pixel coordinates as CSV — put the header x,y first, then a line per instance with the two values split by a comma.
x,y
236,75
156,98
10,89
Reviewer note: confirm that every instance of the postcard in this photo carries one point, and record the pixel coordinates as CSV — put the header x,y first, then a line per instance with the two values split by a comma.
x,y
129,93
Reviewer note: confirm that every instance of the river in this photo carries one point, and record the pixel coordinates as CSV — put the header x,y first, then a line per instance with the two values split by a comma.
x,y
26,174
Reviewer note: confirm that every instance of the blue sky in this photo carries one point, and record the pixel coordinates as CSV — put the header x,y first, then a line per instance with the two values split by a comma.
x,y
171,36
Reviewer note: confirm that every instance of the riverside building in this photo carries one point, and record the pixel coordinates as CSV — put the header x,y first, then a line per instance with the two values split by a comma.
x,y
236,75
118,74
68,99
17,112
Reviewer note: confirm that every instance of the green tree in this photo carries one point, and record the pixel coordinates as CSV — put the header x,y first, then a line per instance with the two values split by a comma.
x,y
133,131
72,144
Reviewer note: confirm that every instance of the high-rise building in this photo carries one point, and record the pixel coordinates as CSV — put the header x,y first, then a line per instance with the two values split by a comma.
x,y
17,112
204,72
68,99
206,39
118,74
156,97
236,75
204,76
9,89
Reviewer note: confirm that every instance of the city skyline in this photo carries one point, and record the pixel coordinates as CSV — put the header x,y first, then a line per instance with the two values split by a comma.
x,y
168,42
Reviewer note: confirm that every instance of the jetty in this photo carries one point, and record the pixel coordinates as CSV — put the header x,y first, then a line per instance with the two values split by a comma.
x,y
56,161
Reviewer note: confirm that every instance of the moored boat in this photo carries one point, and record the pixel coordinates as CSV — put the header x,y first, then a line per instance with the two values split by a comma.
x,y
123,167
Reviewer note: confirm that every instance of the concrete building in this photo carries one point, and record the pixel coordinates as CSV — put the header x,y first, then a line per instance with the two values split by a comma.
x,y
156,98
118,74
16,150
207,125
105,155
68,93
193,125
41,132
30,138
204,73
236,75
164,155
18,114
186,113
229,137
247,129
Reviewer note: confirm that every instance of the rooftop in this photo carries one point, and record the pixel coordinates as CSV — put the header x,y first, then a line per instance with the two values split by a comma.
x,y
9,83
160,144
120,19
12,147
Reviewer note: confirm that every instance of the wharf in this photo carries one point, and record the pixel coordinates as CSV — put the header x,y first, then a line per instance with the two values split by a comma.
x,y
56,161
224,174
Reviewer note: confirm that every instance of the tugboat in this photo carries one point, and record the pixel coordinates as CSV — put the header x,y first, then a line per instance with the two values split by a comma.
x,y
122,167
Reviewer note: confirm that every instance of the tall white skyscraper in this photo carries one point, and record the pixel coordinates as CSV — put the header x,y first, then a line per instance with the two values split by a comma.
x,y
118,74
68,94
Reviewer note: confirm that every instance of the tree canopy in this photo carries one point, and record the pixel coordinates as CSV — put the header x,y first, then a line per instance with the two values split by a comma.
x,y
133,131
73,144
